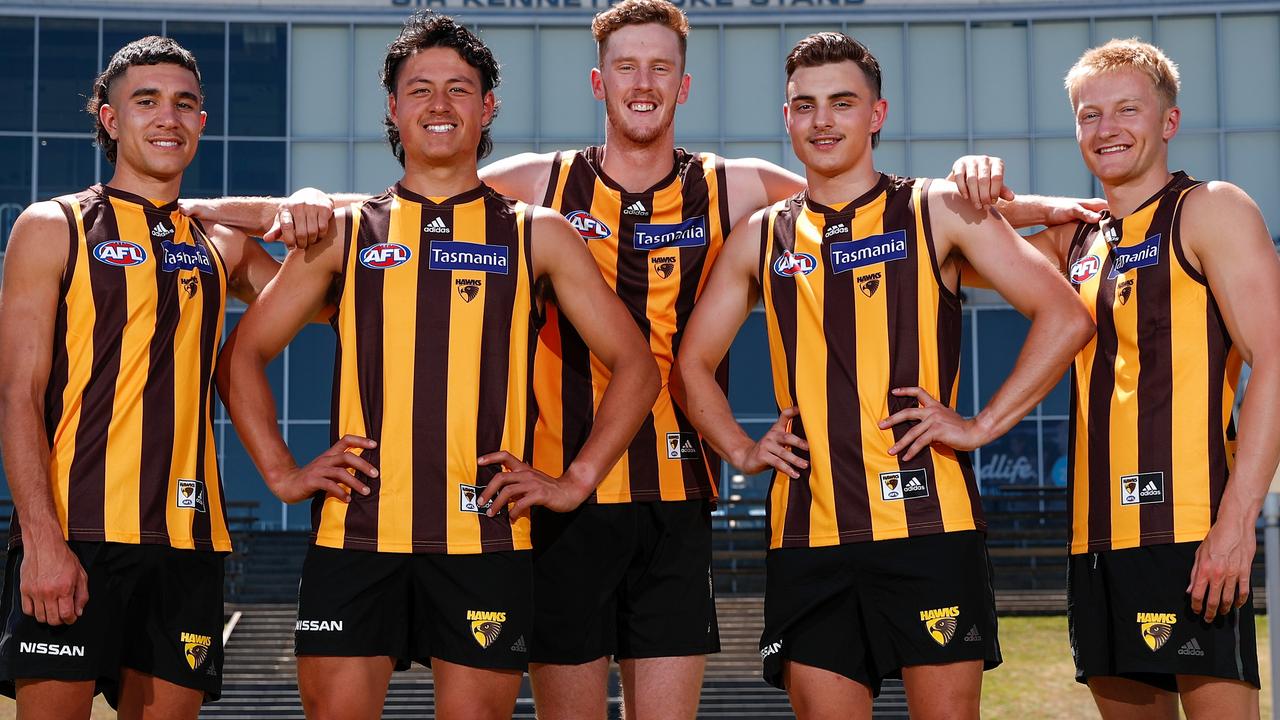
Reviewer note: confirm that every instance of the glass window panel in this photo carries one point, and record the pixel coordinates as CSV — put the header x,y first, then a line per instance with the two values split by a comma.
x,y
311,373
698,147
321,165
258,65
885,42
321,89
17,63
1012,462
1060,170
933,158
207,41
1055,47
376,168
764,150
566,107
1104,30
307,441
1253,163
699,117
256,168
999,77
68,64
370,97
1057,446
118,33
240,479
1191,42
66,166
1251,72
750,376
15,183
1197,153
1000,337
793,34
502,150
1058,401
756,64
891,156
936,82
1017,161
514,49
204,175
753,487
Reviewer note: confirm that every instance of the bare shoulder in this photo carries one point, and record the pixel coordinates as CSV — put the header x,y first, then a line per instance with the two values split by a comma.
x,y
947,204
40,232
522,176
1221,213
548,222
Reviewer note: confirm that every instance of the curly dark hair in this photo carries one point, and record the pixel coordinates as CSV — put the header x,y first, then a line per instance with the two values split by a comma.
x,y
150,50
826,48
423,30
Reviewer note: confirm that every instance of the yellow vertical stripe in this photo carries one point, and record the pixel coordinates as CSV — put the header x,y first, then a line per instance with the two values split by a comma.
x,y
781,390
187,409
124,433
333,514
1126,520
811,377
79,348
220,533
716,233
548,445
1084,369
399,309
668,207
513,433
466,326
1189,332
607,208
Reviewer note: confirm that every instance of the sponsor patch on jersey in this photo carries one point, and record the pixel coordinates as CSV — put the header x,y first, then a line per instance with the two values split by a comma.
x,y
1124,291
385,256
162,229
437,225
664,265
486,626
869,283
1156,628
588,226
904,484
453,255
682,446
195,648
1144,254
653,236
180,256
191,494
865,251
1142,489
468,288
39,648
790,264
469,499
770,649
834,230
318,625
190,285
1084,269
120,253
941,623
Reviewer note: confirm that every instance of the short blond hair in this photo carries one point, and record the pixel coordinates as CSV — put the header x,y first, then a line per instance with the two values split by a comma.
x,y
640,12
1128,54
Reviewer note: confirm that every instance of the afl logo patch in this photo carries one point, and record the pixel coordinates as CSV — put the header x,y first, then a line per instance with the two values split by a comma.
x,y
1084,269
588,226
790,264
120,253
384,256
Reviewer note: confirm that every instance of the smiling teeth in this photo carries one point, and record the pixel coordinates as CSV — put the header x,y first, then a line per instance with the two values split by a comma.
x,y
1113,149
165,143
643,107
440,128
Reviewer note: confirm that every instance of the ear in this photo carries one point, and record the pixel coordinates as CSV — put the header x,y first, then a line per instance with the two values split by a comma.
x,y
786,116
204,118
391,107
107,116
683,95
1172,121
879,114
597,84
490,104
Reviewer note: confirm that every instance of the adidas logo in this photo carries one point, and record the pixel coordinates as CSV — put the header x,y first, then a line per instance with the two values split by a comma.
x,y
974,635
914,484
1150,489
519,645
1191,648
636,208
161,231
836,230
436,226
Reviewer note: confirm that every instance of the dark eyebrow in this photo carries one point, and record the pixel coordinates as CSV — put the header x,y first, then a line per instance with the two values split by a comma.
x,y
459,79
833,96
146,91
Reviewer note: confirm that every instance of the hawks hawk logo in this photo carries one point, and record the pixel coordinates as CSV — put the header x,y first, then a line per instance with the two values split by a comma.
x,y
1124,290
664,265
941,623
486,626
196,648
468,289
868,284
1156,628
190,285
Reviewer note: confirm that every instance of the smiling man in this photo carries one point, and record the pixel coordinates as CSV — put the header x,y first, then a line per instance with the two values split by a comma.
x,y
111,314
422,552
877,564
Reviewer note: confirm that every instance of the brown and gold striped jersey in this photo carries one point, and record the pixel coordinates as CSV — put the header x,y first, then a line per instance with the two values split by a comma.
x,y
1152,437
437,327
655,249
855,306
127,405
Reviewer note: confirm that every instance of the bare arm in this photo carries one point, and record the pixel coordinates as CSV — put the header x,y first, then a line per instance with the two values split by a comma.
x,y
754,183
1060,326
1224,234
523,177
731,292
560,256
298,219
297,292
54,585
1052,242
980,180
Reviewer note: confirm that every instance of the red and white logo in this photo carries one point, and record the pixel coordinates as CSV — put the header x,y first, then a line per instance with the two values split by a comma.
x,y
588,226
790,264
120,253
384,256
1085,268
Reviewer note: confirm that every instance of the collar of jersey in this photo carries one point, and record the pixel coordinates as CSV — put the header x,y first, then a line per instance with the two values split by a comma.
x,y
465,197
594,154
146,203
850,208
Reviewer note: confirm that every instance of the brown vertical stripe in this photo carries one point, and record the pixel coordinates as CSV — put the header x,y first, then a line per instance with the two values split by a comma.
x,y
633,289
335,389
699,474
495,361
211,324
796,523
58,368
430,389
158,398
1155,378
1101,388
550,199
577,395
536,319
